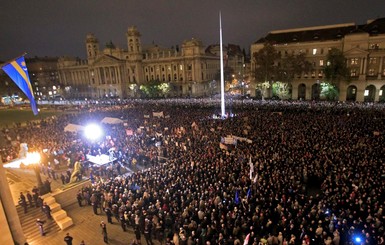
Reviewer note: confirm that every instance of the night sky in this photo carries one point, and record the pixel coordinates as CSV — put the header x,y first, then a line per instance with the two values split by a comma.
x,y
59,27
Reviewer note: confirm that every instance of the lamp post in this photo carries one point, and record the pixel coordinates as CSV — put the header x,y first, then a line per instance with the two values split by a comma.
x,y
33,159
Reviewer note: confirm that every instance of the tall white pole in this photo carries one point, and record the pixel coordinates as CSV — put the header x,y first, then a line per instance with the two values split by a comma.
x,y
223,112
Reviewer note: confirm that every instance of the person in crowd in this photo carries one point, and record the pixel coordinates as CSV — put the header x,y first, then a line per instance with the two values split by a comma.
x,y
298,171
30,199
104,231
40,224
68,239
47,210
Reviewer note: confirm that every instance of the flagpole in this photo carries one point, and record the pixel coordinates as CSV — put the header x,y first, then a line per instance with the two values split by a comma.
x,y
9,61
223,112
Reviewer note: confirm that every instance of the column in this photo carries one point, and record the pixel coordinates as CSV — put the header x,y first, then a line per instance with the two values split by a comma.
x,y
377,95
12,231
294,92
364,60
361,66
309,92
380,68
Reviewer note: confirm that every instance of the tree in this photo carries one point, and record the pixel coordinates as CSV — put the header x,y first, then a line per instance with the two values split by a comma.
x,y
271,68
265,67
335,70
291,65
154,89
265,63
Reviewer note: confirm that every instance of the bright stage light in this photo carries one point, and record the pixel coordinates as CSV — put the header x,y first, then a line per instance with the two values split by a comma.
x,y
32,158
93,132
358,239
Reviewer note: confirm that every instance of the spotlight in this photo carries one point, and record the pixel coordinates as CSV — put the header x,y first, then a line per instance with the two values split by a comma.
x,y
93,132
357,240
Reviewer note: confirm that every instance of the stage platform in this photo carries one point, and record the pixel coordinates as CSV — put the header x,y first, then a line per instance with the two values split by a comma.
x,y
100,160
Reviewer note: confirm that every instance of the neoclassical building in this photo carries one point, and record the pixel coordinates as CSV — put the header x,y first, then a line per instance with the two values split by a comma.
x,y
189,70
362,45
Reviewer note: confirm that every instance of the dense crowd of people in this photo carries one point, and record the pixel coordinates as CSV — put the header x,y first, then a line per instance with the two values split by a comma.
x,y
295,172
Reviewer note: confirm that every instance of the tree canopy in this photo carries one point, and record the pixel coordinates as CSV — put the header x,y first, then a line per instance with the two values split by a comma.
x,y
336,69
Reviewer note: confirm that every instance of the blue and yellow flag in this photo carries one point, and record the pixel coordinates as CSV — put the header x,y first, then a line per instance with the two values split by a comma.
x,y
18,72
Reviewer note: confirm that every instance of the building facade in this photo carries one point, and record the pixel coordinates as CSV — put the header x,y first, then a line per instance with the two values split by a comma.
x,y
188,70
44,78
362,45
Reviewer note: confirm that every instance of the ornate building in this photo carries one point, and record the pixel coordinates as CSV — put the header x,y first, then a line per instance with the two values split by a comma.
x,y
362,45
113,72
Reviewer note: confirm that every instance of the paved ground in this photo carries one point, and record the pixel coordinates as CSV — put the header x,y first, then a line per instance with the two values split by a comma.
x,y
86,227
86,223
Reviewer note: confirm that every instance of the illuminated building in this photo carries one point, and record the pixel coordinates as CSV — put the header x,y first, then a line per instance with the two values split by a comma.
x,y
188,70
362,45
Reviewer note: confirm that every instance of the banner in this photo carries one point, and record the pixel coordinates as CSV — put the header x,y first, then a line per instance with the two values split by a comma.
x,y
158,114
251,168
129,132
223,146
18,72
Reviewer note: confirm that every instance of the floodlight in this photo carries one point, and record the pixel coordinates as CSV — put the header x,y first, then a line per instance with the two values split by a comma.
x,y
357,239
93,132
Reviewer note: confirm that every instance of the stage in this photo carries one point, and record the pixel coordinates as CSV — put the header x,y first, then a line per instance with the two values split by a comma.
x,y
100,160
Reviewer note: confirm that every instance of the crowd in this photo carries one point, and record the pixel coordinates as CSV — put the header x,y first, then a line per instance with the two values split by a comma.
x,y
296,173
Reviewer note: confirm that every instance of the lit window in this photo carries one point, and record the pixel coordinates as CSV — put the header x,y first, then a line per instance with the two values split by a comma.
x,y
372,60
314,51
321,62
313,73
371,72
181,67
366,93
380,93
354,61
374,46
353,72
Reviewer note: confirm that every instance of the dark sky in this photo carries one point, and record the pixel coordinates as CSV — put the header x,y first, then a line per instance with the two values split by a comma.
x,y
59,27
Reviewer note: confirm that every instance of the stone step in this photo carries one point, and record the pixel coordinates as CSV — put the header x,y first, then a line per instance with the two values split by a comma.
x,y
49,199
54,207
61,214
65,223
30,229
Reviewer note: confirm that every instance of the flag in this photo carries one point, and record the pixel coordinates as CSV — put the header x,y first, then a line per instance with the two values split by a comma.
x,y
248,193
18,72
92,178
236,199
247,239
251,166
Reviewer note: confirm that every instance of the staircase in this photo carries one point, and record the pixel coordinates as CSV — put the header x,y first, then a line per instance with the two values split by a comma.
x,y
31,230
58,222
58,214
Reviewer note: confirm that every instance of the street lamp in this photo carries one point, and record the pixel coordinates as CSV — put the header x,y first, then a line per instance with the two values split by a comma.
x,y
33,159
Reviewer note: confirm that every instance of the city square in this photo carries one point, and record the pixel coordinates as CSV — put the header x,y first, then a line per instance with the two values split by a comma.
x,y
192,123
187,174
